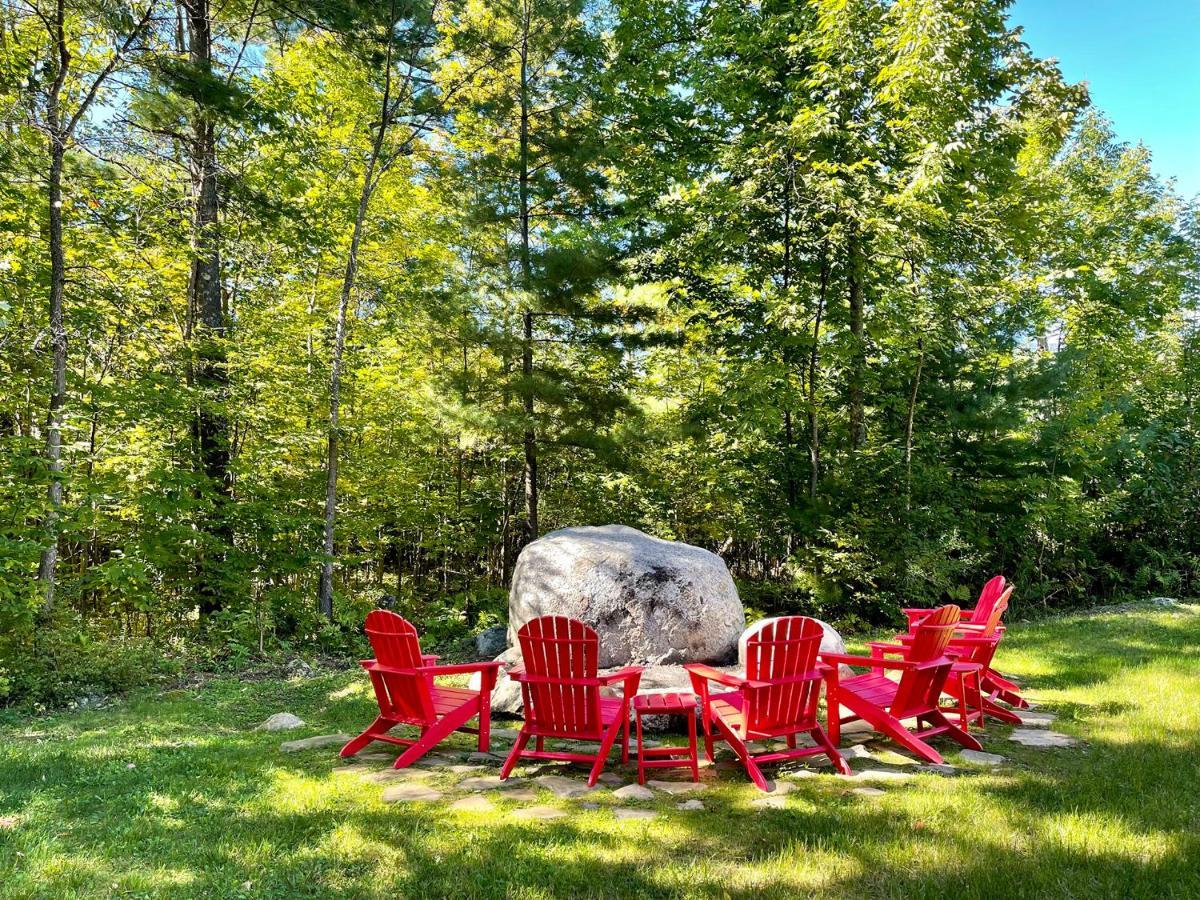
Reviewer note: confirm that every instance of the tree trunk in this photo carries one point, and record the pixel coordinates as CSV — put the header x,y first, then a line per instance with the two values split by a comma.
x,y
814,360
854,275
58,333
206,315
908,427
531,461
325,590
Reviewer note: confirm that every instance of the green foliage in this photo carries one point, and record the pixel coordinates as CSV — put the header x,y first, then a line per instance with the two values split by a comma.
x,y
860,294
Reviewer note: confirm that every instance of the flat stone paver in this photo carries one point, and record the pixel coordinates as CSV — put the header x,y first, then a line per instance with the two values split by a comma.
x,y
690,805
349,770
1035,719
390,775
474,804
625,815
799,773
610,778
407,793
868,792
855,751
437,761
490,759
313,743
779,788
984,759
488,783
283,721
520,795
539,813
883,775
678,787
1035,737
562,786
376,756
634,792
505,734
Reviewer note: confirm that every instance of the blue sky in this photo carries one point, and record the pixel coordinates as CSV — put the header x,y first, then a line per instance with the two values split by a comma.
x,y
1141,59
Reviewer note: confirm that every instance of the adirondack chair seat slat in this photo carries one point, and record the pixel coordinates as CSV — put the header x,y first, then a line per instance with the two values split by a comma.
x,y
403,680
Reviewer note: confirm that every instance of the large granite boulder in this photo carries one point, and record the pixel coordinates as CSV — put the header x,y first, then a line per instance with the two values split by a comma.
x,y
831,642
651,601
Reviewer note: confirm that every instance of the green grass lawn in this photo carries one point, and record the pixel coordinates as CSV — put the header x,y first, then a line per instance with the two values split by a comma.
x,y
175,794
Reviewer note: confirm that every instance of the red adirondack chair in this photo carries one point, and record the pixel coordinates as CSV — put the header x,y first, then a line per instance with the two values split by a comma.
x,y
777,698
403,680
560,687
884,703
971,618
971,682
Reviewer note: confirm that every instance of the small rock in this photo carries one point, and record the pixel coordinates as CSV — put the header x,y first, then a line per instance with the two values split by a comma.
x,y
298,668
407,793
623,815
634,792
777,801
1032,737
940,769
868,792
799,773
780,787
312,743
562,786
539,813
7,823
690,805
473,804
611,778
678,787
984,759
491,642
283,721
856,752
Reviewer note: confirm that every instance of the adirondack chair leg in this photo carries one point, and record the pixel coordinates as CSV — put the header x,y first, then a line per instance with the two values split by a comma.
x,y
381,725
610,737
890,726
485,720
791,741
514,754
743,752
839,762
625,740
999,712
954,732
540,744
833,712
436,733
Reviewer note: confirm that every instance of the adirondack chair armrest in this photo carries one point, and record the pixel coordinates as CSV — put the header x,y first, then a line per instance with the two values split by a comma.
x,y
460,668
885,647
629,674
428,659
726,678
866,662
916,615
373,665
970,640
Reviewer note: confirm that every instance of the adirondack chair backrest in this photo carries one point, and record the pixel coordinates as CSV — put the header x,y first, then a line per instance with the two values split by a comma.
x,y
987,599
560,648
394,640
780,651
992,621
919,689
